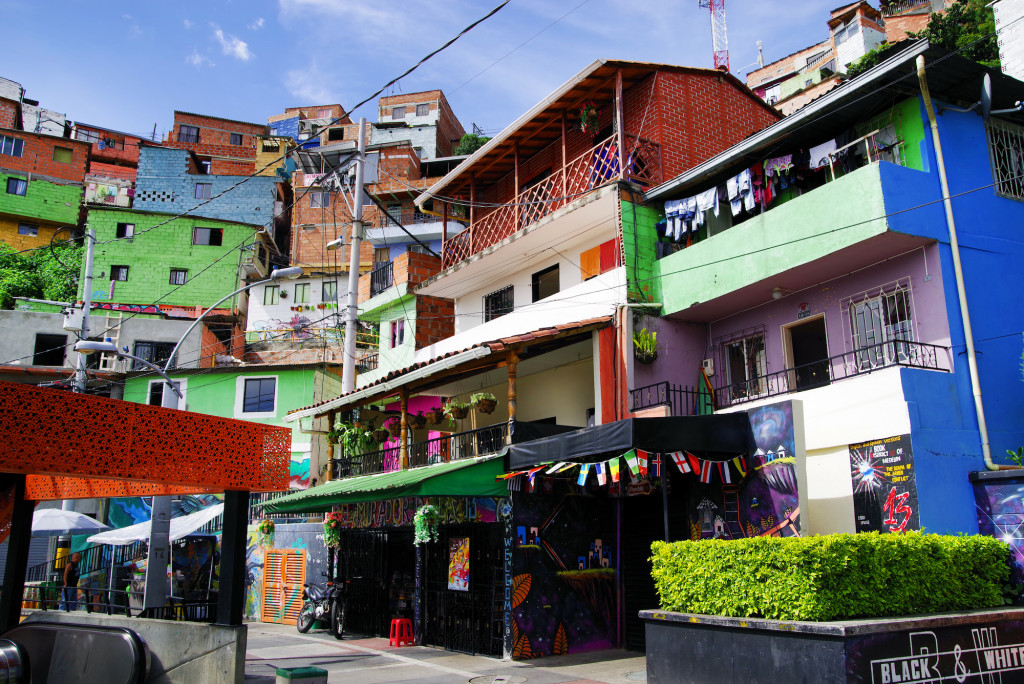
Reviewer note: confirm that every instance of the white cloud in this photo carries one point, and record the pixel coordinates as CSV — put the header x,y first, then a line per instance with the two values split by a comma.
x,y
197,60
309,85
231,45
188,24
256,25
126,16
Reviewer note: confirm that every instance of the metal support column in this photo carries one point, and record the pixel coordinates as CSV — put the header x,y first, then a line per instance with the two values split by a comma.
x,y
17,554
231,599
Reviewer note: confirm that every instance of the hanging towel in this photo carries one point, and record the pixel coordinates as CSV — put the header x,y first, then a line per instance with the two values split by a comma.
x,y
706,200
820,154
739,192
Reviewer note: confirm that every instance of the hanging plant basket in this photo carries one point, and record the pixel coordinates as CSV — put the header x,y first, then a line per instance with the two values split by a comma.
x,y
395,427
381,435
589,115
425,525
417,421
265,530
434,416
459,412
332,529
484,402
645,357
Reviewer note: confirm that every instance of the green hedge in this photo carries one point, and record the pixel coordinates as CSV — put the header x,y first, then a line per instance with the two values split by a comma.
x,y
831,577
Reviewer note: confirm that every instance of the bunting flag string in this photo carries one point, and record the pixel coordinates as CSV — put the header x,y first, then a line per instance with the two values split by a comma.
x,y
634,464
654,469
613,469
584,472
554,469
602,476
723,472
681,462
532,473
568,465
705,471
641,457
741,465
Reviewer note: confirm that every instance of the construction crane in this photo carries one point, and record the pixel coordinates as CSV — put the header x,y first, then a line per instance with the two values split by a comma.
x,y
720,40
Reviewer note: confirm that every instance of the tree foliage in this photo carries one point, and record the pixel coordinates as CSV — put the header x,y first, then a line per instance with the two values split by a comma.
x,y
869,59
969,26
40,273
470,143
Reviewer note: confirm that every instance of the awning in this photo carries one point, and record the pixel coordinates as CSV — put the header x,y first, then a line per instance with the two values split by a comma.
x,y
718,437
180,527
465,477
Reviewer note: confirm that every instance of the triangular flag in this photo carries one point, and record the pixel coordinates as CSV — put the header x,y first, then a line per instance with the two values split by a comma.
x,y
509,476
602,476
741,465
641,457
705,471
723,472
613,469
654,466
532,473
584,471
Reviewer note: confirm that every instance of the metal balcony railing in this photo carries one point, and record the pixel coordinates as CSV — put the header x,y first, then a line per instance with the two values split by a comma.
x,y
458,445
847,365
894,7
94,559
683,401
382,277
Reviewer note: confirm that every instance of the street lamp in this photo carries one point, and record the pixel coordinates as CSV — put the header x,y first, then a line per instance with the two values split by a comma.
x,y
335,244
88,347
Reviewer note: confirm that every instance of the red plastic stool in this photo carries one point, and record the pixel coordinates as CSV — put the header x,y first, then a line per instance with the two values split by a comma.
x,y
401,631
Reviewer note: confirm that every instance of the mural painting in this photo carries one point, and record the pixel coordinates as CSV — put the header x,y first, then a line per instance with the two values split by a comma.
x,y
562,593
755,496
298,474
306,536
1000,508
884,485
458,563
400,512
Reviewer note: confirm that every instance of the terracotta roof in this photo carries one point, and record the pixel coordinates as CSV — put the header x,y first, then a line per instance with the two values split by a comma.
x,y
497,345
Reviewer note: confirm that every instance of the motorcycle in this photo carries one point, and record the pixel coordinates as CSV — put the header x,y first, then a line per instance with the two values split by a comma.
x,y
322,603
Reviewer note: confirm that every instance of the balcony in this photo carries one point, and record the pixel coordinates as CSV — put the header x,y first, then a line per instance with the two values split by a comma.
x,y
381,278
804,377
597,166
683,401
450,447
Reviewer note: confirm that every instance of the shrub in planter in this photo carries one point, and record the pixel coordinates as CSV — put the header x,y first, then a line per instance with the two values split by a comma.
x,y
455,409
645,346
417,421
394,426
434,416
831,577
484,402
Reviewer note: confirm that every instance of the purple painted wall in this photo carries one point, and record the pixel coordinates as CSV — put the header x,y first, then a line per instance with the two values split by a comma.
x,y
680,350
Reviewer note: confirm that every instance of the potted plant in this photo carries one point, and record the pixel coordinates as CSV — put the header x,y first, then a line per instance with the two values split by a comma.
x,y
455,410
381,434
425,525
332,529
418,421
589,114
434,416
484,402
357,441
266,532
337,432
394,425
645,345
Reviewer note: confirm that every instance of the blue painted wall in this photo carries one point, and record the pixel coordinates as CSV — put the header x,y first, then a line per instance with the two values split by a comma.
x,y
165,185
400,248
289,127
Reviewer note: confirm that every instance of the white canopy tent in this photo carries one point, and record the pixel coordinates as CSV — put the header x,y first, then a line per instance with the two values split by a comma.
x,y
180,527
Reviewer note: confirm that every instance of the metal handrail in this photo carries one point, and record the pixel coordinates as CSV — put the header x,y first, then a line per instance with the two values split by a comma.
x,y
682,400
896,352
382,277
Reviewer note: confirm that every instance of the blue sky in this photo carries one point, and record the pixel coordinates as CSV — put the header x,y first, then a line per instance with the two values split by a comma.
x,y
129,65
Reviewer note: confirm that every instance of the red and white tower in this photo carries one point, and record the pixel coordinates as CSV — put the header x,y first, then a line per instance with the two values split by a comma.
x,y
719,38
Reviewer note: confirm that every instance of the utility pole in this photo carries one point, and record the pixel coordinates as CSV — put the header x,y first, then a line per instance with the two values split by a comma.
x,y
90,250
348,367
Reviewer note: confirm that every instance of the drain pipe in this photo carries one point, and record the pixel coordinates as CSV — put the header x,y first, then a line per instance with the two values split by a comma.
x,y
972,359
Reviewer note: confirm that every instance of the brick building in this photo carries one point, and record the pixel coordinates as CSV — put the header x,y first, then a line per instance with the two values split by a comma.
x,y
221,146
313,125
113,154
42,178
424,118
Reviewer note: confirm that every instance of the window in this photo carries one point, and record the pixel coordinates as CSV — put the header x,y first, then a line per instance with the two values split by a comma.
x,y
17,186
29,229
119,273
273,131
88,136
319,200
417,248
545,283
156,353
11,146
188,134
1006,154
178,276
208,236
204,190
330,292
745,366
302,293
882,327
125,231
156,394
422,109
381,255
62,155
205,166
335,134
270,295
394,213
324,113
498,303
236,138
397,332
49,350
397,113
259,395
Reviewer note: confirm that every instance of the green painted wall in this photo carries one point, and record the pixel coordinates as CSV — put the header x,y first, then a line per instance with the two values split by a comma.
x,y
43,200
387,308
795,233
639,237
151,256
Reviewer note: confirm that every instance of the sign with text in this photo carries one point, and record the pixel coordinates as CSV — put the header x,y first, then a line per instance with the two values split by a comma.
x,y
884,485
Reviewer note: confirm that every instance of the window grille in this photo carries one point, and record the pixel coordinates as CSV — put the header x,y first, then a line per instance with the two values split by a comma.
x,y
498,303
1006,154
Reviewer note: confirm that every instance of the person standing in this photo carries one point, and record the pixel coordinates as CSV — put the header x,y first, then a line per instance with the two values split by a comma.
x,y
71,576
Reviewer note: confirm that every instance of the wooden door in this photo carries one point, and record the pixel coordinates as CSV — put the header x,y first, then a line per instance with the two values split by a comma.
x,y
284,573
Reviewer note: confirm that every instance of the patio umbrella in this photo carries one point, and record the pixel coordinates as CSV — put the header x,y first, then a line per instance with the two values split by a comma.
x,y
51,522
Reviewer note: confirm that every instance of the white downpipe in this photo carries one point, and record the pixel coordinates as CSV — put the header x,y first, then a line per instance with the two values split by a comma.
x,y
972,359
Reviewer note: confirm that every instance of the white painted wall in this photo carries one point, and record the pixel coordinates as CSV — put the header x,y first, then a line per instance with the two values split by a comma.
x,y
1010,35
277,316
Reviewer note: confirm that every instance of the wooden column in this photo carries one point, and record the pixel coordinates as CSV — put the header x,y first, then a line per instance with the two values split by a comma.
x,y
403,449
515,178
513,362
444,222
565,161
621,121
472,199
329,470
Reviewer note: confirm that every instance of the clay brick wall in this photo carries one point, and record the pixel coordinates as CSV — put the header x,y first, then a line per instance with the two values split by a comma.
x,y
97,168
215,142
37,156
8,113
435,320
411,267
323,225
449,130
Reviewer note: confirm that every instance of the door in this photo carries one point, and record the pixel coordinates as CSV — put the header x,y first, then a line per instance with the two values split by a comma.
x,y
808,347
284,573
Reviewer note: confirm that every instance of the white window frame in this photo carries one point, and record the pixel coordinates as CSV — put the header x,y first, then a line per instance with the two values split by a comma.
x,y
206,191
240,397
179,404
868,355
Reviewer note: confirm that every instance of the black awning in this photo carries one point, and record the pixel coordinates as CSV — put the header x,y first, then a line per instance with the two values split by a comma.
x,y
714,438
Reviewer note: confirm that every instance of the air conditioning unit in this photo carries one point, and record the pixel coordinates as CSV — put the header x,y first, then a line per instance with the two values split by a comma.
x,y
73,319
708,365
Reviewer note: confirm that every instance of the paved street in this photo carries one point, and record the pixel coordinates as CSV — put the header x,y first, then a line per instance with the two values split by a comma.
x,y
364,660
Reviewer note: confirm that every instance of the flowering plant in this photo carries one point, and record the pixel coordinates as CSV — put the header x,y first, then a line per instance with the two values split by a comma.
x,y
425,524
589,114
332,529
265,528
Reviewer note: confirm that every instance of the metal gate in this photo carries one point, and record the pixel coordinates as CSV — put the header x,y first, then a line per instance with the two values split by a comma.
x,y
465,621
363,561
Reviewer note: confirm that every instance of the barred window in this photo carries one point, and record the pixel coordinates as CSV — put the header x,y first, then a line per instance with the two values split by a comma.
x,y
1006,153
498,303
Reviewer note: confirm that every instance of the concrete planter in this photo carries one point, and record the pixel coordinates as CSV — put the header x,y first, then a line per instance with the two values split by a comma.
x,y
974,646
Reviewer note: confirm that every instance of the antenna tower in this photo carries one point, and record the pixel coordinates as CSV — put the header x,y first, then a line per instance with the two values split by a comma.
x,y
718,35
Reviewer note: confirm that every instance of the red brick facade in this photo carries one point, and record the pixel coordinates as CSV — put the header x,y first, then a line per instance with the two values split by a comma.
x,y
449,129
435,320
313,227
214,142
37,156
116,157
8,113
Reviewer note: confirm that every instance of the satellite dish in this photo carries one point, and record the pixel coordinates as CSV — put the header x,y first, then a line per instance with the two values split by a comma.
x,y
986,97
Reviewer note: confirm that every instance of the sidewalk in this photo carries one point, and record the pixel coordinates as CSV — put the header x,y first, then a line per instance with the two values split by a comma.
x,y
359,660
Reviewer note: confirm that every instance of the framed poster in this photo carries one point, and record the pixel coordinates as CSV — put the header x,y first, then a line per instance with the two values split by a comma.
x,y
458,563
884,485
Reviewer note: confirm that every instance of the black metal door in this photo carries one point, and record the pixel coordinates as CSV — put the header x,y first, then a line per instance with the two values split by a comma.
x,y
465,621
362,561
642,524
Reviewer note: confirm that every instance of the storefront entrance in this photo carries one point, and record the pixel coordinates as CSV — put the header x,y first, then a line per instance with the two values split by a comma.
x,y
380,565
